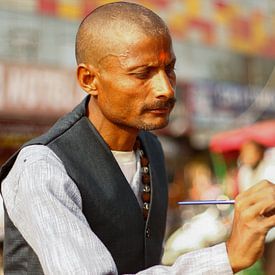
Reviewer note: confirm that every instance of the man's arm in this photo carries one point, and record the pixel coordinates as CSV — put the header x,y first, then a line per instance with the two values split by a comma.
x,y
45,205
212,261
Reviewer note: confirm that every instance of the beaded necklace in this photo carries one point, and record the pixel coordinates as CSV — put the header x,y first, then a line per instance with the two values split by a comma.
x,y
145,178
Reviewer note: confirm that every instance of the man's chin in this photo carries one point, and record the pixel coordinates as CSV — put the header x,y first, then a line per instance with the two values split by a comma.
x,y
153,126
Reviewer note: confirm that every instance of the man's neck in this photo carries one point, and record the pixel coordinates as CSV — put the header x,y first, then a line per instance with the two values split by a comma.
x,y
117,137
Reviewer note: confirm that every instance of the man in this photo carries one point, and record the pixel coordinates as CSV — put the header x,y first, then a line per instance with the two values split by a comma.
x,y
70,208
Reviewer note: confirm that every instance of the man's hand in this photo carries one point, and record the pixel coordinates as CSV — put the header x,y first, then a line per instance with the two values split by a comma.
x,y
253,218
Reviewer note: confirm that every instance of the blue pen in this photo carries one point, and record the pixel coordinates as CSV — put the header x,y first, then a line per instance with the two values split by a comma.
x,y
202,202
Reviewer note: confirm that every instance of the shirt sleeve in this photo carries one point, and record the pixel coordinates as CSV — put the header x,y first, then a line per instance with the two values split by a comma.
x,y
206,261
45,205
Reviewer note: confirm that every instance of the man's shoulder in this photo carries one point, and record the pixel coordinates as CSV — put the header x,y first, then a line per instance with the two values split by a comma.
x,y
37,152
38,155
62,125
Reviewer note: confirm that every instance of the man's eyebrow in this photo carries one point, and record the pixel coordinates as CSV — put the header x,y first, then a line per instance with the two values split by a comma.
x,y
150,65
141,66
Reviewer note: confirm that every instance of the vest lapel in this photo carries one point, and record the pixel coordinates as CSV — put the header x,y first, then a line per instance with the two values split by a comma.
x,y
98,164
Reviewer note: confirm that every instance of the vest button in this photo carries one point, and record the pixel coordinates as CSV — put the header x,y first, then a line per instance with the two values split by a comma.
x,y
147,232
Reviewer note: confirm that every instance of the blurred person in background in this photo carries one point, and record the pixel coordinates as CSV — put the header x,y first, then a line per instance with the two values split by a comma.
x,y
199,177
194,180
74,197
253,166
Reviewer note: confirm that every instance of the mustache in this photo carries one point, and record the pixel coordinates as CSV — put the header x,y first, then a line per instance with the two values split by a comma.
x,y
161,104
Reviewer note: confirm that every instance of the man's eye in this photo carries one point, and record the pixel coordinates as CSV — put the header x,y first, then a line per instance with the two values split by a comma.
x,y
142,75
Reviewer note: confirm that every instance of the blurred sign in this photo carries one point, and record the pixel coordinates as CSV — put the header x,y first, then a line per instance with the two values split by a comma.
x,y
242,27
36,91
219,106
20,5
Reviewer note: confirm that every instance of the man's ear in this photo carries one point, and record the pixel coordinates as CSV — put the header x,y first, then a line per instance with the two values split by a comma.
x,y
86,75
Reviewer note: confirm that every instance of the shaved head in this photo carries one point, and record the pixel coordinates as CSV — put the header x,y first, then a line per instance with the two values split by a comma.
x,y
101,32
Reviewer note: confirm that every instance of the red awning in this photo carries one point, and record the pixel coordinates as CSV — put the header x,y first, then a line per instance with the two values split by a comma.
x,y
261,132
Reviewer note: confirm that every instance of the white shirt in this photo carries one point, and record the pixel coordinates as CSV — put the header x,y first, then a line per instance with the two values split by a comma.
x,y
248,177
45,205
129,163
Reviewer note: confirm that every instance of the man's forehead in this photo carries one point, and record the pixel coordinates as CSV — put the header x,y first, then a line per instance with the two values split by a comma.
x,y
147,57
141,50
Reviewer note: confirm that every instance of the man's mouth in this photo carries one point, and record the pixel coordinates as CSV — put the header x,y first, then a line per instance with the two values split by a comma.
x,y
161,107
164,110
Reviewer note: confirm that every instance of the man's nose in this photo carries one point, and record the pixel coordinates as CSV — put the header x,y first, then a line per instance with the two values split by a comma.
x,y
163,86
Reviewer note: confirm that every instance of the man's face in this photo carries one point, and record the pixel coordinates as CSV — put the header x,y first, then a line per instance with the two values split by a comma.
x,y
136,85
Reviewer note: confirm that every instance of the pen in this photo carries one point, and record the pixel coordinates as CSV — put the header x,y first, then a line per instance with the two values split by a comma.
x,y
201,202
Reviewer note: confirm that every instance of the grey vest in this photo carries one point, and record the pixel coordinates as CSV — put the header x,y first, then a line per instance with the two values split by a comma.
x,y
109,204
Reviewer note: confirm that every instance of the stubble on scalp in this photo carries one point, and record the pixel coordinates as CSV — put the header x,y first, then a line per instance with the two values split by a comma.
x,y
101,31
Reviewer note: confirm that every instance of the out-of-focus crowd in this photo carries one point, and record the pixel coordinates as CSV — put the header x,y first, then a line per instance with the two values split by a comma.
x,y
197,226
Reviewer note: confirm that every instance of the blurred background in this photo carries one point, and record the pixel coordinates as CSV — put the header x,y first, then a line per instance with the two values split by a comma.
x,y
222,131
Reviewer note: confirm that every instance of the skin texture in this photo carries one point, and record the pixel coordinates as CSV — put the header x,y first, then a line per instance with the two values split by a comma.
x,y
126,63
